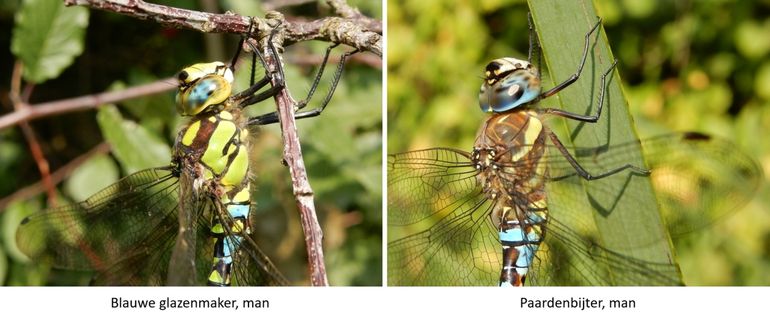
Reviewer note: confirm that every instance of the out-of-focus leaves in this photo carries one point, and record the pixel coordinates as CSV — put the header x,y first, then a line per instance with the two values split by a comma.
x,y
132,144
47,37
94,175
11,218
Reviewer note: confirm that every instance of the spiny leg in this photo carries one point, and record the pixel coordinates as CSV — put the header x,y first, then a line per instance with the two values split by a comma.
x,y
534,46
247,97
576,75
240,48
585,174
586,118
272,117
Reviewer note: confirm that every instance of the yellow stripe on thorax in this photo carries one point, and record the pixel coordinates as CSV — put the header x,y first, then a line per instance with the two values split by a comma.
x,y
531,133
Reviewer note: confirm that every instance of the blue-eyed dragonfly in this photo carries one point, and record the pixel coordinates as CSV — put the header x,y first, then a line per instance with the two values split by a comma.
x,y
481,217
163,226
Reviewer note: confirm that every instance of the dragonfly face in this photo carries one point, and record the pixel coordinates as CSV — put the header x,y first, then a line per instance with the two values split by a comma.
x,y
508,83
202,86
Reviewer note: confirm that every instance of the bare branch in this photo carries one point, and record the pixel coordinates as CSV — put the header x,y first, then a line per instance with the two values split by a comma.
x,y
343,9
19,102
56,177
303,193
30,112
355,32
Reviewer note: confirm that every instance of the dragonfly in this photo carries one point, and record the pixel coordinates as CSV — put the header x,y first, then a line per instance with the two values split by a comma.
x,y
482,217
163,226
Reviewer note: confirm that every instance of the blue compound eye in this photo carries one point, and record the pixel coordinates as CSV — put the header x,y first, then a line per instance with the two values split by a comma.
x,y
208,90
508,84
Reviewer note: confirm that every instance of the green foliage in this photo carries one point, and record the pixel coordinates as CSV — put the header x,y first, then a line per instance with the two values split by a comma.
x,y
341,148
132,144
47,37
94,175
680,68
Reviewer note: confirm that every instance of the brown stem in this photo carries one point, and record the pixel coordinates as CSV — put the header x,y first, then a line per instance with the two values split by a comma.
x,y
29,112
303,193
355,32
19,103
56,177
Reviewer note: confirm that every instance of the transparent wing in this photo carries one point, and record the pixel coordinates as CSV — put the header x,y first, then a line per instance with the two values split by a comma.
x,y
128,232
251,267
119,232
441,233
448,238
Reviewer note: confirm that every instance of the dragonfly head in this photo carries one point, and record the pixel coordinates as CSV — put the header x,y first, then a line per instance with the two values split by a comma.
x,y
508,83
202,86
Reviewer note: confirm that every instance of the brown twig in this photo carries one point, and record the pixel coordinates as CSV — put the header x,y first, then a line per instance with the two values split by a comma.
x,y
303,193
56,177
355,32
19,103
315,60
342,9
30,112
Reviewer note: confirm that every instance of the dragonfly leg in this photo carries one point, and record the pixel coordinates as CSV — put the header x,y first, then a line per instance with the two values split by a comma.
x,y
248,97
585,174
588,118
272,117
576,75
534,46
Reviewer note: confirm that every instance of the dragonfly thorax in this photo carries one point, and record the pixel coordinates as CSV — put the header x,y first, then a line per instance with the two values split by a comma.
x,y
508,83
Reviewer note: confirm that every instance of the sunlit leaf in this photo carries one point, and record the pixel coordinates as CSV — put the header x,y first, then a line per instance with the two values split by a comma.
x,y
47,37
134,146
630,218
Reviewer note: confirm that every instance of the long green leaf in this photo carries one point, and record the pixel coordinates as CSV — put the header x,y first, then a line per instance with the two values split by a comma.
x,y
625,217
47,37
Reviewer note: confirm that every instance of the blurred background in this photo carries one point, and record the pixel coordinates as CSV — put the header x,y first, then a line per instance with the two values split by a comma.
x,y
342,148
684,65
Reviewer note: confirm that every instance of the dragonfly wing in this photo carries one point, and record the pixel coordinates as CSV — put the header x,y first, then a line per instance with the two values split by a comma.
x,y
421,183
253,268
700,179
438,188
134,218
183,264
568,258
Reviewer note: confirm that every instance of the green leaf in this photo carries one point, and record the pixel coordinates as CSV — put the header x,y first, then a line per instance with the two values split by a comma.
x,y
94,175
11,218
47,37
626,220
134,146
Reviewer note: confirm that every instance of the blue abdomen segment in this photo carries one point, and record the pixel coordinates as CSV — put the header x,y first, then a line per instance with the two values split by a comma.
x,y
519,248
227,242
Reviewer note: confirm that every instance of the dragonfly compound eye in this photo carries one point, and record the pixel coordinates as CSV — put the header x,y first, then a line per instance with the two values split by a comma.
x,y
205,92
508,83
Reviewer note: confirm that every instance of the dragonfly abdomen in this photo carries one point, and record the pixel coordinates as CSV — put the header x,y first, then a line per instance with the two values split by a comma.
x,y
509,155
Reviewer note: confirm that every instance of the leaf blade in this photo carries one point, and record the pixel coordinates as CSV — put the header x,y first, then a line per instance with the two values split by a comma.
x,y
629,219
47,37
